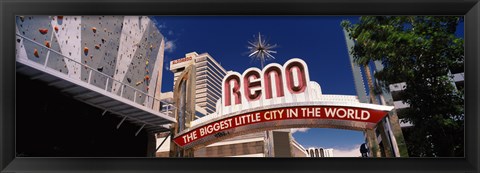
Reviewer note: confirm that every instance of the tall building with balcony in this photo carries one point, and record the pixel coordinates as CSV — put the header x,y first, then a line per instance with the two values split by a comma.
x,y
390,95
209,76
387,135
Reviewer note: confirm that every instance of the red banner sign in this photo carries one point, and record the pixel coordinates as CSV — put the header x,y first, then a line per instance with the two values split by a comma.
x,y
181,60
358,115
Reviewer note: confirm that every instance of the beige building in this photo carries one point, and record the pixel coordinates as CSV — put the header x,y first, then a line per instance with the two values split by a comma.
x,y
209,75
320,152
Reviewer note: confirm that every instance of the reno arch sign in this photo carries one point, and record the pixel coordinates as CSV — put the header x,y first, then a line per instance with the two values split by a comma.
x,y
273,81
277,97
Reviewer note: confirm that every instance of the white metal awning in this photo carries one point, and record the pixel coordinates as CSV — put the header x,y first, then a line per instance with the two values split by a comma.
x,y
137,111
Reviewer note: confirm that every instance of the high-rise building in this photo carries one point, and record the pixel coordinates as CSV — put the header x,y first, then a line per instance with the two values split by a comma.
x,y
458,80
209,76
388,131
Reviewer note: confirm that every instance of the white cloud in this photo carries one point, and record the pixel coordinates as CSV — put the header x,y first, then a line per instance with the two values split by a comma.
x,y
162,26
299,130
347,152
157,23
166,63
169,46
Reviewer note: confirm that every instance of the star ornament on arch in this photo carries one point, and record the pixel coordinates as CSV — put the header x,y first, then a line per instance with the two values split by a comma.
x,y
260,50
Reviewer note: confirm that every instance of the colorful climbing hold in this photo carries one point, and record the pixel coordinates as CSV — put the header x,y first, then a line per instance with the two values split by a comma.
x,y
18,40
85,50
129,80
147,77
60,17
22,18
146,62
47,44
43,31
97,46
100,69
56,28
138,83
35,53
94,30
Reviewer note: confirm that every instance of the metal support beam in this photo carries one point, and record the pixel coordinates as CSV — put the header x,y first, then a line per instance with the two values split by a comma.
x,y
138,131
157,121
138,115
127,108
106,84
117,106
89,76
21,69
48,55
94,97
56,82
104,112
119,124
72,87
134,111
113,101
82,93
121,90
135,96
39,76
163,141
148,119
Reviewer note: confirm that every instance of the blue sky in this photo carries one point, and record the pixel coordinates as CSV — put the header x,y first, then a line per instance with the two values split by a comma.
x,y
318,40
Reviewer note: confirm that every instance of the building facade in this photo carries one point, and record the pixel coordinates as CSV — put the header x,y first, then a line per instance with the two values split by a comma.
x,y
209,76
320,152
387,136
390,95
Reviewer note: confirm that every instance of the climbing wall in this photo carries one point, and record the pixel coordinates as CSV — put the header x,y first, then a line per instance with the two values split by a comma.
x,y
126,48
40,30
67,32
156,81
100,45
142,61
